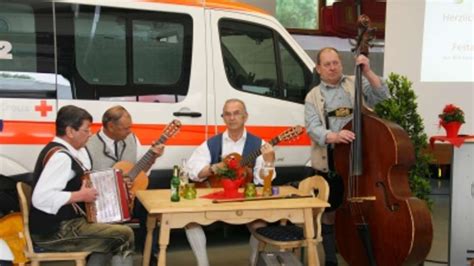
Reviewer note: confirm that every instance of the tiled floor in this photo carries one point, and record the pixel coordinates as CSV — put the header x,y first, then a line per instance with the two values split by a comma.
x,y
229,246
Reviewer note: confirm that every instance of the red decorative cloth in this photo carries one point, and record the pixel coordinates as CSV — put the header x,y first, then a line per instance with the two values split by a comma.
x,y
223,195
457,141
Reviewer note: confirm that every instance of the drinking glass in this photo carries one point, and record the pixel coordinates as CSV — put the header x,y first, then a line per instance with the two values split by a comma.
x,y
183,178
266,174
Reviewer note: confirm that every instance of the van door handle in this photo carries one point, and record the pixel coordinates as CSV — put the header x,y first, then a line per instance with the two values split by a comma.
x,y
190,114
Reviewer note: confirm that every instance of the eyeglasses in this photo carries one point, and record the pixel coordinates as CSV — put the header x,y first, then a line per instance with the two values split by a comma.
x,y
234,114
85,130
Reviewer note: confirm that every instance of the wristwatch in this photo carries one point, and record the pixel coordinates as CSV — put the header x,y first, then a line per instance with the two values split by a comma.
x,y
213,168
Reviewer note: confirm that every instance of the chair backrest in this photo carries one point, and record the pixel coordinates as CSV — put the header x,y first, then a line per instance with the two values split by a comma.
x,y
24,195
310,184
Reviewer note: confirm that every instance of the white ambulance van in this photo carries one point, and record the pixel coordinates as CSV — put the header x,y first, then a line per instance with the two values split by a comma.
x,y
162,60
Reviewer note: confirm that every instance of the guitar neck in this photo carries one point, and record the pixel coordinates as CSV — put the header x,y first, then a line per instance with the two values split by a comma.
x,y
247,160
146,161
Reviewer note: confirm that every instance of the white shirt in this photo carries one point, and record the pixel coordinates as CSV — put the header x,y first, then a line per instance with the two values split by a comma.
x,y
201,157
49,195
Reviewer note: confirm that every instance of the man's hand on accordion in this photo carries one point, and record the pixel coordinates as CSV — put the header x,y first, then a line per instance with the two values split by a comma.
x,y
85,194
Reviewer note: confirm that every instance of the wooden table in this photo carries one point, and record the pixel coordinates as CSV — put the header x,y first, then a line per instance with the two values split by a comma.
x,y
204,212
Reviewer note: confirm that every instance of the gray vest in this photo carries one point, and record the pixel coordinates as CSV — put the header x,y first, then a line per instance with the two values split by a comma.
x,y
319,155
103,158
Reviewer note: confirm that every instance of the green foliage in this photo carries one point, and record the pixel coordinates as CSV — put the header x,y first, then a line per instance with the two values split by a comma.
x,y
401,108
301,14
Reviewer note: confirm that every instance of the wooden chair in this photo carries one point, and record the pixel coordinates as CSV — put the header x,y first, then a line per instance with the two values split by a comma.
x,y
24,195
285,236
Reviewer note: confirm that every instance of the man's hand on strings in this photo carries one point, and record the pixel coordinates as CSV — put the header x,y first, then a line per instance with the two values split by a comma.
x,y
343,136
268,153
158,149
364,63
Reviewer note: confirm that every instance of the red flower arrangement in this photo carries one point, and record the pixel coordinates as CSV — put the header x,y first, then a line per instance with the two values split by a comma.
x,y
451,113
230,168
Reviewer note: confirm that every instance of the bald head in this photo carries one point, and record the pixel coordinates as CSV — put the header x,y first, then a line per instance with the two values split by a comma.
x,y
117,123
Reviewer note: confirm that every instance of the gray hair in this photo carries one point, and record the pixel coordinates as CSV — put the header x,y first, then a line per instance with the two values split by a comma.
x,y
235,100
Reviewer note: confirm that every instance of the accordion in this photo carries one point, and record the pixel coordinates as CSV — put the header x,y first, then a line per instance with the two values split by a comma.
x,y
112,204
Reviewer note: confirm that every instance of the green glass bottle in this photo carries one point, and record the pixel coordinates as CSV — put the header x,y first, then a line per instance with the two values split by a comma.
x,y
175,184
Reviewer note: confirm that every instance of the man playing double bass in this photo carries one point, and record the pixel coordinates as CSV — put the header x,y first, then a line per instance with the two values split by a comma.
x,y
328,108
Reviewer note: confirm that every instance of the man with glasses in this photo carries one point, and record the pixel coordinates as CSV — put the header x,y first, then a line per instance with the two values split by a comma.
x,y
59,194
206,160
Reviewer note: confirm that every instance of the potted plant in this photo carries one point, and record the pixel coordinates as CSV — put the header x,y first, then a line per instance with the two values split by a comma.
x,y
231,174
451,120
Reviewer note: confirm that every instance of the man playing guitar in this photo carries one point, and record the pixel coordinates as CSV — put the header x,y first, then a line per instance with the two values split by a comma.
x,y
116,142
206,160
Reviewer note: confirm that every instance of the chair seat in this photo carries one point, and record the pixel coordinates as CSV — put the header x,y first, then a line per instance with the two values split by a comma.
x,y
283,233
58,256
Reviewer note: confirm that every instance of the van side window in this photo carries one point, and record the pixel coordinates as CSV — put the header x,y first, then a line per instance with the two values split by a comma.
x,y
249,57
295,76
126,55
257,60
100,47
157,52
93,52
23,74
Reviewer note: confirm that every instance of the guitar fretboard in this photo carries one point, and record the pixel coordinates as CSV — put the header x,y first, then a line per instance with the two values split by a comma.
x,y
147,160
247,160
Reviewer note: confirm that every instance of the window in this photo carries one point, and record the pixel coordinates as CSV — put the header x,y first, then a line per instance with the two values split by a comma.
x,y
257,60
26,68
302,15
249,57
295,78
17,29
124,55
102,53
100,47
157,52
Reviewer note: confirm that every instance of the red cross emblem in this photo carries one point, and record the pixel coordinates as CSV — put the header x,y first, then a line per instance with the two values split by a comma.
x,y
43,108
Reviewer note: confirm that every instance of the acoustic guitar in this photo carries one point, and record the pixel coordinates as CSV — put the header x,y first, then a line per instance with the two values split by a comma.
x,y
245,166
135,172
11,230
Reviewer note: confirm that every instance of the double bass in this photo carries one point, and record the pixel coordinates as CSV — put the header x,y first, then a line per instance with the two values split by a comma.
x,y
379,221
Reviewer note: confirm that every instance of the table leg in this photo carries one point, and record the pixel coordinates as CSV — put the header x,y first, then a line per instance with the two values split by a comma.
x,y
164,238
150,226
309,236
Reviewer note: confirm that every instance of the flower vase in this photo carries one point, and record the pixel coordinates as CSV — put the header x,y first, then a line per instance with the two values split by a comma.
x,y
452,128
231,187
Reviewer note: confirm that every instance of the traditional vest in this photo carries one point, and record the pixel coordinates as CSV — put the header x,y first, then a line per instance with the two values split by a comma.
x,y
319,154
103,158
42,223
214,144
